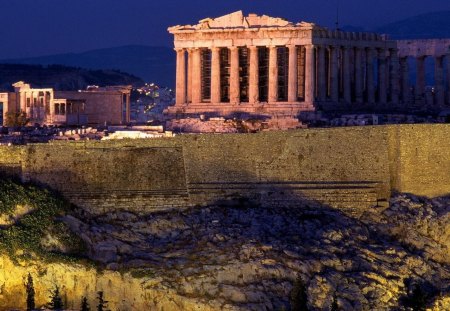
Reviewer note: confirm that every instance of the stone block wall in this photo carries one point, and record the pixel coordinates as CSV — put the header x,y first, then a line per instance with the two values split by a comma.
x,y
348,168
420,159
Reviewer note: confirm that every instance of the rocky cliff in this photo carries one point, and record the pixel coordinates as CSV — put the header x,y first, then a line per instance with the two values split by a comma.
x,y
231,255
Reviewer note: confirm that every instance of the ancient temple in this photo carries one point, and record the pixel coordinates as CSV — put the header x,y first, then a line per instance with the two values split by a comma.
x,y
270,66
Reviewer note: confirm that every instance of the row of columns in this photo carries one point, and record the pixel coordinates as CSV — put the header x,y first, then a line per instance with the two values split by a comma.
x,y
193,79
363,71
419,88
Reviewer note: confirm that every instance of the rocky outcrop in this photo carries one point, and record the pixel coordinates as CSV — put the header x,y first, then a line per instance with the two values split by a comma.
x,y
232,255
247,257
122,291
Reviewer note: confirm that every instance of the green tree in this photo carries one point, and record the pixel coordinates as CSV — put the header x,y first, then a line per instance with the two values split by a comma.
x,y
84,305
55,300
29,287
334,304
299,298
102,303
16,118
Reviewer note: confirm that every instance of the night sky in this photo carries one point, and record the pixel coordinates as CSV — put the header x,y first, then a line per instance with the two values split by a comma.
x,y
41,27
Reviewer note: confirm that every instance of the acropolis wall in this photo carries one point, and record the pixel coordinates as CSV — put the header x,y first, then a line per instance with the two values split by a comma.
x,y
348,168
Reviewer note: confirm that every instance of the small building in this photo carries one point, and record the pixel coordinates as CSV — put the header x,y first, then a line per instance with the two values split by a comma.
x,y
97,105
94,106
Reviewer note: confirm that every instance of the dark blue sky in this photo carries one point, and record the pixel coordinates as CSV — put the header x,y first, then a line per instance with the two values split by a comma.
x,y
40,27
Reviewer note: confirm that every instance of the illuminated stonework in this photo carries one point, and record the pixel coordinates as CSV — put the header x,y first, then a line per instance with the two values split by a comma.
x,y
95,106
265,65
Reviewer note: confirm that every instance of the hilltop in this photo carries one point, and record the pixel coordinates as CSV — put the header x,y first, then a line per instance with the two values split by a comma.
x,y
432,25
153,64
62,77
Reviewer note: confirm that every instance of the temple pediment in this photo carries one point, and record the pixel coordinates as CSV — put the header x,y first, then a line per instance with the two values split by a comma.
x,y
237,20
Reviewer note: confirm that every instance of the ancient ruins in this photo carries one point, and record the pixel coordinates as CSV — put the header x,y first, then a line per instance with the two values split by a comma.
x,y
46,106
260,65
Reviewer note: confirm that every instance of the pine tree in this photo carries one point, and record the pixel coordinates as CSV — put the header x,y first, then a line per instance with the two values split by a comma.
x,y
299,299
30,293
55,300
84,304
334,304
102,304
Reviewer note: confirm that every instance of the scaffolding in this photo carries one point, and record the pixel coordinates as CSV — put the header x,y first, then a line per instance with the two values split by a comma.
x,y
263,73
206,75
283,73
301,73
224,75
243,74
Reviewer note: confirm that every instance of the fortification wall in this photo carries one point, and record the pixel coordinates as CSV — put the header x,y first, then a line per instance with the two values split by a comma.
x,y
420,159
348,168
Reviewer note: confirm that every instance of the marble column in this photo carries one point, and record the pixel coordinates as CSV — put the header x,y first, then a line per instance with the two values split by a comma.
x,y
370,80
394,77
310,74
215,75
439,81
322,75
293,71
346,75
253,92
382,85
420,78
273,74
234,75
404,80
189,76
51,103
196,76
334,74
180,93
359,79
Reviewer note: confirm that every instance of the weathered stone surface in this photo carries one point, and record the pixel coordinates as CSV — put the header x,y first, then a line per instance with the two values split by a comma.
x,y
261,251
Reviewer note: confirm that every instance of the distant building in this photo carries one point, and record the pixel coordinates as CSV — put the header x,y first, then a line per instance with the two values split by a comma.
x,y
95,106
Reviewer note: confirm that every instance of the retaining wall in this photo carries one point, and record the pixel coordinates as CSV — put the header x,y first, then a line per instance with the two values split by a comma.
x,y
351,168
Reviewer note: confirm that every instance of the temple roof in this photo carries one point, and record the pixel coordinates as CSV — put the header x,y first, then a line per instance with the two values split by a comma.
x,y
237,20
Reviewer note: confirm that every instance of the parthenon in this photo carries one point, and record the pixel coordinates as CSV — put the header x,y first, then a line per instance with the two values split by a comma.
x,y
270,66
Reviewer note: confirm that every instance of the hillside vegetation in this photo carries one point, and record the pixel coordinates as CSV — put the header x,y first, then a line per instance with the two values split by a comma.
x,y
62,77
153,64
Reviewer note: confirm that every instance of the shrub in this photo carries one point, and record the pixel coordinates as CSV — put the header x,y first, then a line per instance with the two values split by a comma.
x,y
16,118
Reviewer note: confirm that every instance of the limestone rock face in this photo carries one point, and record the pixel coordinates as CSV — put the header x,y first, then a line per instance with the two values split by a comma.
x,y
122,291
421,223
233,256
247,257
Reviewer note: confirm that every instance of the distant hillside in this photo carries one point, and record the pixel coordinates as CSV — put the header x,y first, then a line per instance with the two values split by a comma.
x,y
153,64
431,25
62,77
